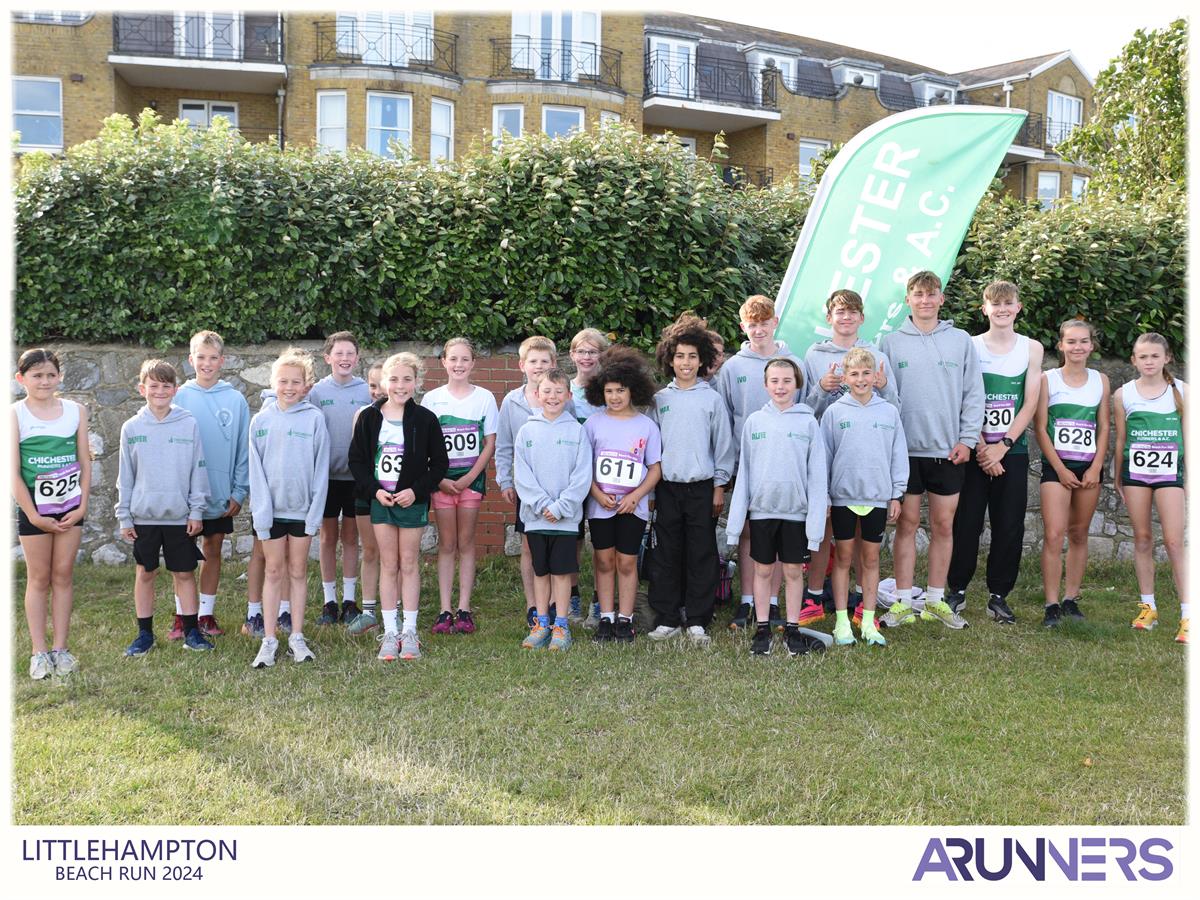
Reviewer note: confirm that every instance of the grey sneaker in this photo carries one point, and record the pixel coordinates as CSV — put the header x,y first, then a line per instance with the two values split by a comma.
x,y
362,623
298,649
696,635
410,647
41,665
65,663
663,632
900,613
266,654
576,613
940,611
593,618
389,646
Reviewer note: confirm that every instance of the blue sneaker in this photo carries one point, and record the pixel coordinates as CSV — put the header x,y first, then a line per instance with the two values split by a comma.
x,y
284,623
531,616
194,640
253,627
141,644
576,613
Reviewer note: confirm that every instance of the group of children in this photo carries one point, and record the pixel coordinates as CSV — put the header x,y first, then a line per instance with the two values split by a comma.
x,y
816,454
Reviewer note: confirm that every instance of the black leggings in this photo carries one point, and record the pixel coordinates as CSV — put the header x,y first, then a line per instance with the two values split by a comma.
x,y
1004,499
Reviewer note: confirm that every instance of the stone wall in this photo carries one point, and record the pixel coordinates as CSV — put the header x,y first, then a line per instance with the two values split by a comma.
x,y
104,378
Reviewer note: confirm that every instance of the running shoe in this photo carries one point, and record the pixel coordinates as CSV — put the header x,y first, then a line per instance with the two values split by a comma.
x,y
142,644
65,663
760,645
1052,618
843,634
41,665
1147,617
576,613
329,614
410,647
176,632
796,642
531,617
284,623
957,601
1000,612
266,654
873,638
362,623
664,632
194,640
811,609
741,619
1181,635
298,649
1071,610
537,639
209,627
697,636
624,632
444,623
606,630
900,613
560,638
464,623
253,627
389,646
350,612
940,611
593,619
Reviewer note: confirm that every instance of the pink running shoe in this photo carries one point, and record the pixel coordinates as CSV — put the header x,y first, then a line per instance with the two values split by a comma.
x,y
464,624
444,623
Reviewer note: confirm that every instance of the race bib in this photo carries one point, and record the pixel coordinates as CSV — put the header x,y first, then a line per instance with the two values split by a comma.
x,y
998,416
58,491
462,444
1075,439
1153,462
388,464
618,472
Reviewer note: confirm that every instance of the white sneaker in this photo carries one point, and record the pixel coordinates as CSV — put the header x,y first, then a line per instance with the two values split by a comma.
x,y
663,633
389,646
64,663
698,636
298,649
41,665
266,653
410,647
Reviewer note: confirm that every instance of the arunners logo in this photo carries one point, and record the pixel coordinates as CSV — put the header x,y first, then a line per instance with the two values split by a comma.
x,y
298,434
137,439
1045,858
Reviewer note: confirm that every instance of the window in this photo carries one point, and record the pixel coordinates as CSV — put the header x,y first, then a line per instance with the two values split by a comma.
x,y
608,117
672,67
389,117
869,79
810,149
441,131
559,121
37,113
508,120
331,120
1048,183
210,35
200,113
1064,114
386,38
557,45
689,144
53,17
1079,185
785,64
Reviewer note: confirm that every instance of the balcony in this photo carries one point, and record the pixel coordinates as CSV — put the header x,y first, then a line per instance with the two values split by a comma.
x,y
204,51
353,42
571,62
683,91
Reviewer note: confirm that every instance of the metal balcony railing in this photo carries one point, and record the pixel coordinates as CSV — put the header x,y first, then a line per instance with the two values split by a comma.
x,y
353,41
904,101
684,77
227,37
535,59
740,176
1056,132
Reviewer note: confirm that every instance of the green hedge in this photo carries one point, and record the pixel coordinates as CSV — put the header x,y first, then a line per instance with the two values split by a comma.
x,y
151,232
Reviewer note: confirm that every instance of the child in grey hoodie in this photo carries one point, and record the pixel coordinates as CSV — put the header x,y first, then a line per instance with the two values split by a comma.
x,y
783,488
552,470
162,489
868,472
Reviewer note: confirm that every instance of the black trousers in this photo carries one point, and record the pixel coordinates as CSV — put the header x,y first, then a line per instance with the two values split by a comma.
x,y
1004,499
684,570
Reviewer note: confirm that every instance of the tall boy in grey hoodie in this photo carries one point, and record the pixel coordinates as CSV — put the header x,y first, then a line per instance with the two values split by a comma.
x,y
162,490
941,404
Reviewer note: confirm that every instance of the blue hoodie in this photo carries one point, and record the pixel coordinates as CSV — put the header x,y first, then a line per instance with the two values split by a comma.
x,y
224,419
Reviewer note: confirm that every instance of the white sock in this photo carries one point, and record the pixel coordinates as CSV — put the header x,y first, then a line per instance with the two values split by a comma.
x,y
348,586
774,601
933,595
748,598
390,617
1183,610
253,609
368,605
1148,599
330,588
178,606
410,620
208,603
610,616
285,606
857,588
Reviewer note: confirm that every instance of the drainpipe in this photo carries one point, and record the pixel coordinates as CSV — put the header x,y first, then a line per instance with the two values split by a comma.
x,y
1008,89
279,97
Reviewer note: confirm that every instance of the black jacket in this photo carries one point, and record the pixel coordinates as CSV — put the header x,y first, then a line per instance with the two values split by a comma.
x,y
425,460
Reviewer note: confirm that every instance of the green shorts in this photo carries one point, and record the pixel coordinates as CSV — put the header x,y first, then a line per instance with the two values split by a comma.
x,y
415,516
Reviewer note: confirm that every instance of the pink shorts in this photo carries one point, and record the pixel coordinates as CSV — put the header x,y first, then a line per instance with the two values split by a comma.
x,y
468,499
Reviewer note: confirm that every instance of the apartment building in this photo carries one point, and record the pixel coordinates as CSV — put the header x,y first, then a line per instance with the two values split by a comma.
x,y
441,84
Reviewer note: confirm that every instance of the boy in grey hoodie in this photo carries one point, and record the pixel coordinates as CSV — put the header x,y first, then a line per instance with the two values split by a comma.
x,y
162,489
783,489
868,472
941,391
552,470
697,462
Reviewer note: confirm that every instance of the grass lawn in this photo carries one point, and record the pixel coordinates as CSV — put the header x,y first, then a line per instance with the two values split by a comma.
x,y
990,725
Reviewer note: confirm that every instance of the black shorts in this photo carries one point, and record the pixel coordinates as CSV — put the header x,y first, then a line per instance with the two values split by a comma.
x,y
25,528
286,528
223,525
937,476
362,508
1049,476
552,554
779,540
339,500
623,531
846,521
178,549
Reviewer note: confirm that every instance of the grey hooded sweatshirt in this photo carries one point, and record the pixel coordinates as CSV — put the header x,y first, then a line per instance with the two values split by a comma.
x,y
940,383
867,453
784,473
553,470
697,443
339,403
740,384
515,411
162,479
289,466
821,356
